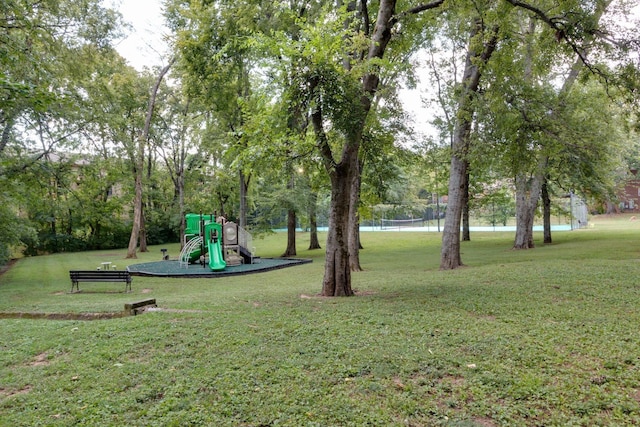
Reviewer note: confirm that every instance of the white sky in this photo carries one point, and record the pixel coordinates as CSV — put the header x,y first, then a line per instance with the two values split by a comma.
x,y
144,45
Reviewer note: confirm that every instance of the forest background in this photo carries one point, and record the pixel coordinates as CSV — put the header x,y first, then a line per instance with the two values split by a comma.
x,y
288,114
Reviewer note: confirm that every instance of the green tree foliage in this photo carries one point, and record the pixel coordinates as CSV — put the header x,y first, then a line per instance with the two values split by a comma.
x,y
40,42
47,51
218,61
15,231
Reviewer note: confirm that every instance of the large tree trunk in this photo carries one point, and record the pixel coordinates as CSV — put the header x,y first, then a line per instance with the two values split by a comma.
x,y
354,220
182,213
546,212
450,255
6,130
528,187
291,234
466,234
244,205
291,222
337,274
143,234
337,271
314,243
137,217
528,190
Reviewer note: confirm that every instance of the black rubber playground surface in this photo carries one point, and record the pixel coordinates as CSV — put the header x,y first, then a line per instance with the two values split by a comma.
x,y
174,269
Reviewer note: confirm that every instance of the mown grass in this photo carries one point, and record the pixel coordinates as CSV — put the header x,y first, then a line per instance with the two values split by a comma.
x,y
544,337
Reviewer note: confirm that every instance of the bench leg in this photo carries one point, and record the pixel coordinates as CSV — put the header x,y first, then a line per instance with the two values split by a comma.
x,y
75,284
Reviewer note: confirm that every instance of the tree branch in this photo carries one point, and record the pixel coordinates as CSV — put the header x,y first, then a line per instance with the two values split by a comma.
x,y
538,12
423,7
561,31
417,9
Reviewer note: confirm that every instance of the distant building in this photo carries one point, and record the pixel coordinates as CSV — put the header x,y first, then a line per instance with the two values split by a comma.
x,y
629,196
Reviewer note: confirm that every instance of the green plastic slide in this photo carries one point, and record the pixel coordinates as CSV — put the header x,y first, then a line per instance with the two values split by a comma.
x,y
216,262
213,234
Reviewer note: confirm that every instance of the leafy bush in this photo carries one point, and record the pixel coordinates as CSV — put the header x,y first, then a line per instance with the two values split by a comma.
x,y
14,231
160,229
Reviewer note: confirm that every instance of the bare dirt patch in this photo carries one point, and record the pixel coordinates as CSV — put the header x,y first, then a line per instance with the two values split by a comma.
x,y
173,310
364,293
356,292
484,422
40,360
4,392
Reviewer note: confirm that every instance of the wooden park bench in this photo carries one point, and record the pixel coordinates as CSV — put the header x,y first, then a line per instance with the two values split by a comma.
x,y
78,276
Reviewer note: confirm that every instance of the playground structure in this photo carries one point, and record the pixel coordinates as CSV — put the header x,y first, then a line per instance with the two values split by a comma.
x,y
215,243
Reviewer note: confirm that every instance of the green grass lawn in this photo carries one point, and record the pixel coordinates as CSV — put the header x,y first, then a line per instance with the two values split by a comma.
x,y
546,337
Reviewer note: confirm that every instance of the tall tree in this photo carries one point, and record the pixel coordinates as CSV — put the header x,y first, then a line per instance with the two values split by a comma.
x,y
180,128
482,43
343,163
529,181
530,188
138,167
